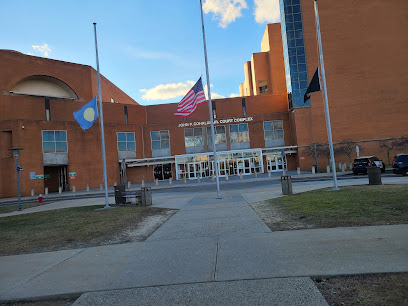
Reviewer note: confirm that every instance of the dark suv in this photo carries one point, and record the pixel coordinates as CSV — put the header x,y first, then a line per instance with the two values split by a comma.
x,y
400,164
361,164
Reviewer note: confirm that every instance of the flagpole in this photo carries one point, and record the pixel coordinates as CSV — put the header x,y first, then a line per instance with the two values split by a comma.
x,y
105,181
322,77
210,106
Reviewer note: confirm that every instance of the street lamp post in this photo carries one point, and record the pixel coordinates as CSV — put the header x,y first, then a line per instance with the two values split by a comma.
x,y
18,169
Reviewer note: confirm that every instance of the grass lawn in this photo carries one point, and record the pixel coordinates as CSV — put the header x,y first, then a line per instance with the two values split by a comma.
x,y
72,228
10,208
349,206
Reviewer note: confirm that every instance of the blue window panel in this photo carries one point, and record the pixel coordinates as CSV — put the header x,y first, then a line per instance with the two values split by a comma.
x,y
61,147
49,147
121,136
293,59
303,76
296,94
296,9
299,42
165,144
48,135
290,35
297,17
288,10
131,146
60,135
289,18
302,67
130,136
156,144
290,26
298,34
291,43
243,127
298,25
292,51
301,59
121,146
294,2
294,76
303,85
155,135
293,67
300,50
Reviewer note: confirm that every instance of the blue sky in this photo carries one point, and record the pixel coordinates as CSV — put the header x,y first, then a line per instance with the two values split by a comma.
x,y
153,52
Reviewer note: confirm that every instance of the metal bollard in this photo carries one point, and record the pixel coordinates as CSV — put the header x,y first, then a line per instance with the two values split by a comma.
x,y
313,170
255,174
298,170
170,181
157,182
129,184
198,179
269,173
226,177
87,187
240,176
343,168
283,172
101,187
73,189
339,165
328,169
32,192
114,184
46,191
59,189
143,183
351,166
185,180
212,178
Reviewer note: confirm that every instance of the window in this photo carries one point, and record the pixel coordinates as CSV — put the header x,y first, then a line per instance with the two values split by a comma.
x,y
54,141
126,141
219,132
160,140
273,129
239,133
193,137
263,87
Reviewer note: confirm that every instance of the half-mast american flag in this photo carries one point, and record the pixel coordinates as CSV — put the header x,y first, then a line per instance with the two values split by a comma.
x,y
189,103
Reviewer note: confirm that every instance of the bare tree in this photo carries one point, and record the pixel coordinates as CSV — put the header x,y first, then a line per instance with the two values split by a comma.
x,y
322,150
345,147
400,143
388,146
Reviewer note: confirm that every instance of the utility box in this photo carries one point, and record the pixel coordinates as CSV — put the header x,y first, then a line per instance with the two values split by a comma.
x,y
374,176
286,182
119,192
146,196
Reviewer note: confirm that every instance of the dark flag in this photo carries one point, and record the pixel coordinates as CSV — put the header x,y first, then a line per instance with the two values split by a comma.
x,y
313,86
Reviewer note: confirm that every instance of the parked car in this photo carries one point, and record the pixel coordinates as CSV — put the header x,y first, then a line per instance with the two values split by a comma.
x,y
361,164
400,164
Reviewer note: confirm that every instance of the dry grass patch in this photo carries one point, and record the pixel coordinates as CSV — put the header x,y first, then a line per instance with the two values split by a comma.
x,y
349,206
77,228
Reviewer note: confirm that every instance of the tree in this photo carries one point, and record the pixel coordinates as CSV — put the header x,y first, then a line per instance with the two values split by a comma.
x,y
321,150
345,147
400,143
388,146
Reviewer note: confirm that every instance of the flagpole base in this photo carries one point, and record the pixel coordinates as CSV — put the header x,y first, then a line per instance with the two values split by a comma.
x,y
106,207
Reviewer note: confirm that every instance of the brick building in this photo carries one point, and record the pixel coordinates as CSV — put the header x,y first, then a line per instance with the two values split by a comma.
x,y
268,128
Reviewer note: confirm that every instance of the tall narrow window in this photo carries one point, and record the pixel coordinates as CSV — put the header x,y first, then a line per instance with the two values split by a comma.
x,y
273,131
263,87
126,141
220,137
193,137
214,108
126,114
47,109
244,107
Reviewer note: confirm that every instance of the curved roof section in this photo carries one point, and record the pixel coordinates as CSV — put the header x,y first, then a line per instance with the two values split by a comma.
x,y
43,86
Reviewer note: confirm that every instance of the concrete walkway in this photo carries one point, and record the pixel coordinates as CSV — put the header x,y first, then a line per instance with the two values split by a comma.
x,y
213,251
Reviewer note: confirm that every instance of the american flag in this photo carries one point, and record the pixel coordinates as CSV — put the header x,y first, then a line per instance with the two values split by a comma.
x,y
190,101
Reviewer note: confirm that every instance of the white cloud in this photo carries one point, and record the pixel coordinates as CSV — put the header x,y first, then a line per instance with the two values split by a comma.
x,y
43,49
234,95
267,11
214,95
29,53
226,11
173,90
167,91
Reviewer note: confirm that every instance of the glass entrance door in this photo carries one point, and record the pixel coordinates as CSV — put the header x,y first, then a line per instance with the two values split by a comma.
x,y
194,170
276,163
223,168
244,166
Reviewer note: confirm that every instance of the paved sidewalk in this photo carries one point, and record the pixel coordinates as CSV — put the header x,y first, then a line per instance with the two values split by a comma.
x,y
211,252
